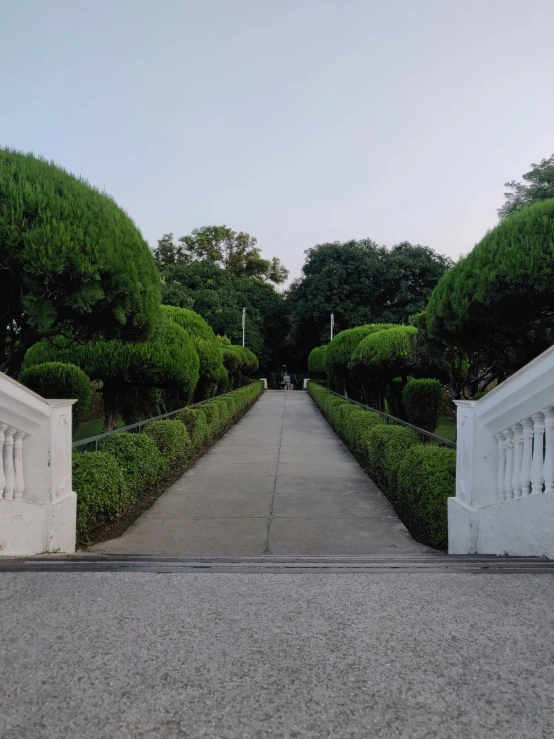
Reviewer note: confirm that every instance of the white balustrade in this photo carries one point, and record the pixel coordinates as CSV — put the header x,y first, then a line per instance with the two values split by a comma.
x,y
504,500
37,504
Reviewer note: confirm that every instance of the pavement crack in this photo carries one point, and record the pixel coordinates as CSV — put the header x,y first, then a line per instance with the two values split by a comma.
x,y
267,550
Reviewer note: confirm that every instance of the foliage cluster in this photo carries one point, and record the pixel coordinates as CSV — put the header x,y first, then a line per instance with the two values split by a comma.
x,y
317,361
73,263
59,380
219,296
423,400
361,283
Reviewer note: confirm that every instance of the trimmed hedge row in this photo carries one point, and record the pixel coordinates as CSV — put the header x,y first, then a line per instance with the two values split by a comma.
x,y
131,463
417,478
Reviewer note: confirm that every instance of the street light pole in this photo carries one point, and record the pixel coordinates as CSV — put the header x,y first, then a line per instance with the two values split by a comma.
x,y
243,325
332,324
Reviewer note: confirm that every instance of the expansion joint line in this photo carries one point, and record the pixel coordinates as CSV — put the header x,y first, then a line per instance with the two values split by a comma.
x,y
270,514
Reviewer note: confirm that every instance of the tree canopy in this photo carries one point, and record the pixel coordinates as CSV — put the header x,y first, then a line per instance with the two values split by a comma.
x,y
129,371
232,251
206,344
498,302
538,185
361,282
219,297
71,261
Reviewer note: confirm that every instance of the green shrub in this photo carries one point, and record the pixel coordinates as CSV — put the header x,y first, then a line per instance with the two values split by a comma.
x,y
426,479
343,413
386,447
130,370
101,491
339,353
207,347
317,362
239,362
172,440
61,381
195,422
359,425
423,401
224,412
213,417
138,458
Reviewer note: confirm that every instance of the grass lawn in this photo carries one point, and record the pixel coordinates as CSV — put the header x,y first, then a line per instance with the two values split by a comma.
x,y
446,428
92,428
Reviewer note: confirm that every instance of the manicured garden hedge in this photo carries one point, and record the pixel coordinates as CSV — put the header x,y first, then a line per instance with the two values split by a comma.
x,y
60,380
129,464
417,478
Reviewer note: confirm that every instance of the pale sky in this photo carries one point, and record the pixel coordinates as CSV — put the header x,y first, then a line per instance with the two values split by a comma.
x,y
299,121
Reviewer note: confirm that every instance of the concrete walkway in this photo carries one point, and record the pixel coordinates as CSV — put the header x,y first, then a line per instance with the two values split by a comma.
x,y
280,482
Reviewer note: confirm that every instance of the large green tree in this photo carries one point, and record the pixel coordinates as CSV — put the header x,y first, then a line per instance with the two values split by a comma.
x,y
71,262
538,185
496,306
360,282
233,251
219,296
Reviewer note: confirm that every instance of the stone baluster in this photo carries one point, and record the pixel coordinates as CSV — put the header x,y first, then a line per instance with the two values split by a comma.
x,y
3,428
527,456
509,437
518,456
501,465
548,468
537,478
9,470
18,465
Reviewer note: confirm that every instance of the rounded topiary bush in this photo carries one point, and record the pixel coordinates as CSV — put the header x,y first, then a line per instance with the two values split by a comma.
x,y
317,360
138,458
423,401
61,381
101,490
213,417
75,259
195,422
386,447
426,479
359,425
207,347
342,415
339,353
172,440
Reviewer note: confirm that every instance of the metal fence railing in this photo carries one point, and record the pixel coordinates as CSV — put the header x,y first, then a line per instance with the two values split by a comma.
x,y
426,436
91,444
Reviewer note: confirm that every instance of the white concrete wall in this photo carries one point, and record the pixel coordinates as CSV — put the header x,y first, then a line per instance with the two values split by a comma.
x,y
37,515
504,500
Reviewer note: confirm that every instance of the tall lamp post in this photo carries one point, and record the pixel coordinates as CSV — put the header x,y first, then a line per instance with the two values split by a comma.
x,y
332,324
243,325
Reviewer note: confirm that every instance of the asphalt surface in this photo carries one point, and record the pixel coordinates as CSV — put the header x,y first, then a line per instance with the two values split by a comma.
x,y
280,482
215,655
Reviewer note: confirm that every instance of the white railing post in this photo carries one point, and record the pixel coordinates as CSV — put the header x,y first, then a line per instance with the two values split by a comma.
x,y
548,468
37,504
518,456
537,478
527,456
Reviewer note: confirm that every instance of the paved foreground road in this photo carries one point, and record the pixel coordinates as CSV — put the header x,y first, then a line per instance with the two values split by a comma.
x,y
208,655
280,482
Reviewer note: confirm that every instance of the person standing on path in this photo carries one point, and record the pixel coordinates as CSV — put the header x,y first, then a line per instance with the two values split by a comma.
x,y
292,380
286,381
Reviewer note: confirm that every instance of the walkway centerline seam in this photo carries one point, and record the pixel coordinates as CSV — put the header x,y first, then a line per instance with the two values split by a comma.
x,y
270,514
